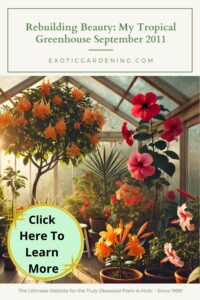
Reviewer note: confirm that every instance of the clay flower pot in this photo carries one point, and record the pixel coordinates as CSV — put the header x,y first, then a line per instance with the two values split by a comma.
x,y
8,264
98,223
152,276
133,276
181,276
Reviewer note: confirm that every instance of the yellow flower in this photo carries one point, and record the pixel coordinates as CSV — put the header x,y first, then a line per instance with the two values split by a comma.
x,y
111,234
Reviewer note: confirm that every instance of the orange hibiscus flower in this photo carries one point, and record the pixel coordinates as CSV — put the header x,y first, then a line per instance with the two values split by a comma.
x,y
50,133
77,125
93,139
74,150
57,100
41,110
6,119
77,94
45,87
61,128
111,234
23,104
102,250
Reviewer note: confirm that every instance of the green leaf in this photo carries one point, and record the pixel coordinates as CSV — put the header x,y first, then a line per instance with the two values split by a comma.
x,y
142,122
170,169
164,181
194,275
161,144
160,160
172,154
159,117
142,136
162,108
25,161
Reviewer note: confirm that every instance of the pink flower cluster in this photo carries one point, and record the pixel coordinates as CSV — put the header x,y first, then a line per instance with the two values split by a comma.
x,y
130,194
171,256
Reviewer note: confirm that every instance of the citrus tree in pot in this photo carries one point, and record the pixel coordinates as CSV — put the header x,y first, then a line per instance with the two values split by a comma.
x,y
119,249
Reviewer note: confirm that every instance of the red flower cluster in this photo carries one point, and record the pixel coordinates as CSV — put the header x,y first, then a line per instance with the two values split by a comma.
x,y
127,134
145,106
172,129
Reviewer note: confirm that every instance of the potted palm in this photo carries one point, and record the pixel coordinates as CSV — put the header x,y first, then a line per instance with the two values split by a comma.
x,y
106,168
120,250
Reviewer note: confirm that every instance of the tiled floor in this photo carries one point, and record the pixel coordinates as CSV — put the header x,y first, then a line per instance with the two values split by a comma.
x,y
87,273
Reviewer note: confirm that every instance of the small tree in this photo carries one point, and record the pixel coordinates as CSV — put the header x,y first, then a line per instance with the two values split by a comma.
x,y
48,124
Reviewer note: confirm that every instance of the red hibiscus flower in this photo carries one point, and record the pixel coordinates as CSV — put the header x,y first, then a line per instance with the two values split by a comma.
x,y
172,129
107,212
118,183
145,106
87,204
113,199
140,166
185,194
171,196
82,211
127,134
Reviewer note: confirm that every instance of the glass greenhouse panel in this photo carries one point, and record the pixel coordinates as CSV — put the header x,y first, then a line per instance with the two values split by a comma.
x,y
187,85
193,160
122,81
94,86
7,82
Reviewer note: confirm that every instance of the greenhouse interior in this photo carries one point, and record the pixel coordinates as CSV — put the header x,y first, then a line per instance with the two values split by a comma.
x,y
120,153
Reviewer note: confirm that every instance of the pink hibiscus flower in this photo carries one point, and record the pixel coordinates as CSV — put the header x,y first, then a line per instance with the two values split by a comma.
x,y
184,218
171,256
140,166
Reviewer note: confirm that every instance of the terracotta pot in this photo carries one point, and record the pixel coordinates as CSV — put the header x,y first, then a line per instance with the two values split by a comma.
x,y
98,223
107,278
8,264
152,276
181,276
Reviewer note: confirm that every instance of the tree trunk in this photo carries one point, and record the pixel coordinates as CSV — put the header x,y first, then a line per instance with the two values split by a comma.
x,y
34,190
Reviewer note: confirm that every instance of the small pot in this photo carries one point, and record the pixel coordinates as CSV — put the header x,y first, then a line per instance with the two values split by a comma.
x,y
8,264
98,223
181,276
152,276
107,278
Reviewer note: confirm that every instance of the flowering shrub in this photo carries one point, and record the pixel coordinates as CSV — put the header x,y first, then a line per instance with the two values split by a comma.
x,y
117,246
154,160
48,124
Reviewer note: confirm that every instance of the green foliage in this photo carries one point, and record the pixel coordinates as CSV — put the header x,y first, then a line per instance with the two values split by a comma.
x,y
107,168
73,204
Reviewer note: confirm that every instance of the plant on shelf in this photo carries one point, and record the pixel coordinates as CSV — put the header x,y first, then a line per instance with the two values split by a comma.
x,y
48,124
154,160
120,249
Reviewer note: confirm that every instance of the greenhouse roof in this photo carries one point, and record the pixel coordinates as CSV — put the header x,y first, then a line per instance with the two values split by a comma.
x,y
116,92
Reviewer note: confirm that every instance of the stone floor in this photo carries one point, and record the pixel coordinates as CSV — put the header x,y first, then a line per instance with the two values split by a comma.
x,y
87,273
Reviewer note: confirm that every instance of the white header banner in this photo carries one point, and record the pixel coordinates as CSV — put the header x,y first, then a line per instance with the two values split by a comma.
x,y
100,40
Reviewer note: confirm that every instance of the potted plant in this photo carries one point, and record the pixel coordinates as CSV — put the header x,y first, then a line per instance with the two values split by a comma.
x,y
154,271
120,249
105,168
154,160
15,182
